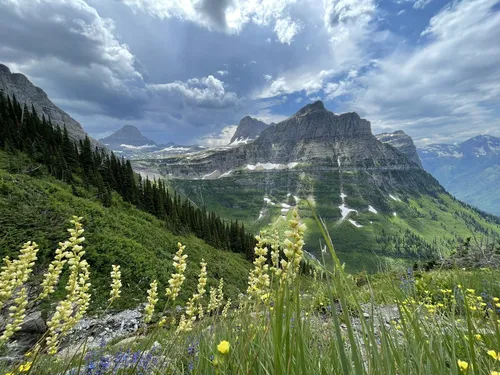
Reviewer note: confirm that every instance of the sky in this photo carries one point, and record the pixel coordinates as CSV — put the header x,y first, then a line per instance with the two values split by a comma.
x,y
188,70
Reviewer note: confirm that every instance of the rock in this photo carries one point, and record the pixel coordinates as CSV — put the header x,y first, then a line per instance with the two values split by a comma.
x,y
99,331
403,143
34,323
248,130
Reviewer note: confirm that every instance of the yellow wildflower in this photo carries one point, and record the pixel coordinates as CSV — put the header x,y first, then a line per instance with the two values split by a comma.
x,y
177,279
493,354
223,347
495,373
462,365
26,367
152,300
116,283
478,337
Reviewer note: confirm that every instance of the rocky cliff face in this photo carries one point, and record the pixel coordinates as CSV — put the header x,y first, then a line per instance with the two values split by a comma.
x,y
402,142
469,170
248,129
27,93
312,136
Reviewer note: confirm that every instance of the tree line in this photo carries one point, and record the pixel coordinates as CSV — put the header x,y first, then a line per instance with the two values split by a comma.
x,y
80,163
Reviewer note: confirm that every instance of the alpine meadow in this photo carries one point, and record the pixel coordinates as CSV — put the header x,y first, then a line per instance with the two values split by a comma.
x,y
249,187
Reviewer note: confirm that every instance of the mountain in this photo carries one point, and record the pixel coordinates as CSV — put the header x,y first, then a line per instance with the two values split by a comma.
x,y
403,142
248,129
469,170
131,143
127,136
377,204
27,93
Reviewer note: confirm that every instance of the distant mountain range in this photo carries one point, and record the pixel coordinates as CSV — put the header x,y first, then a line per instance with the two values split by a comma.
x,y
469,170
128,141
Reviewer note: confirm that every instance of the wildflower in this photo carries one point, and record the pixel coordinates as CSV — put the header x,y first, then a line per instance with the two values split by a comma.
x,y
26,367
192,306
116,283
478,337
471,291
497,305
70,310
258,279
226,308
13,276
293,246
177,279
152,300
496,299
462,365
495,373
494,355
51,277
223,347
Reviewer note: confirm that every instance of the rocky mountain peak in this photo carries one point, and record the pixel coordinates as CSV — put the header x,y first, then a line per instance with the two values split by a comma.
x,y
127,135
248,129
403,143
310,108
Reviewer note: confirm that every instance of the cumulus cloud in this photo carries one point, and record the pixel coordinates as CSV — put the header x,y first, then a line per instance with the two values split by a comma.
x,y
286,29
70,47
310,82
225,15
218,139
222,72
203,92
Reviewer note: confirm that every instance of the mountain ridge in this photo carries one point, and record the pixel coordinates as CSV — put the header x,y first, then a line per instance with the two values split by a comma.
x,y
18,85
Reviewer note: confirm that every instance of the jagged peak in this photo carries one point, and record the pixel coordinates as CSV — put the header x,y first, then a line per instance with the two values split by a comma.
x,y
310,108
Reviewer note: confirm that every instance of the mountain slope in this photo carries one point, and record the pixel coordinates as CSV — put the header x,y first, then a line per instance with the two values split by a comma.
x,y
248,129
469,170
26,93
375,202
37,207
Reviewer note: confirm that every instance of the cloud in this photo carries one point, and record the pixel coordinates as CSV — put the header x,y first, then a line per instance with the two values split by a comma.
x,y
421,4
69,49
229,16
222,72
268,77
310,82
286,29
218,139
449,85
202,92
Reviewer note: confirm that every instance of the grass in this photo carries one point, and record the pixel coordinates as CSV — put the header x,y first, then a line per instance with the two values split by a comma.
x,y
439,322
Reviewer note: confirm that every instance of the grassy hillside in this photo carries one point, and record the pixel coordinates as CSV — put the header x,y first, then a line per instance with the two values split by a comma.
x,y
419,221
35,206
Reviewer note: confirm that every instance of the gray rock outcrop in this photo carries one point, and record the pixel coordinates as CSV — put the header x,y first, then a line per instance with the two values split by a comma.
x,y
402,142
